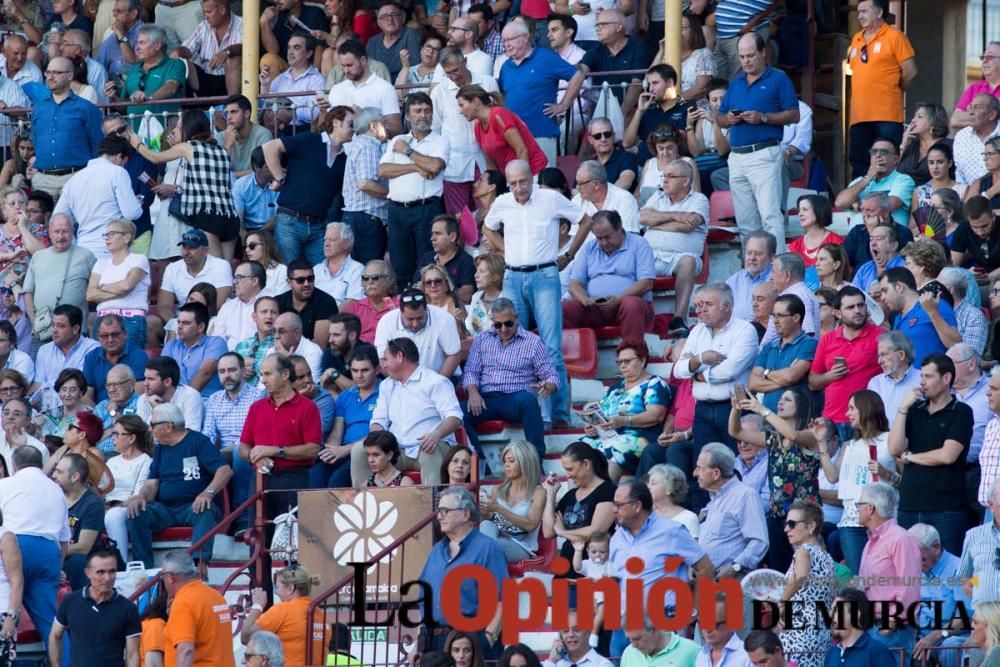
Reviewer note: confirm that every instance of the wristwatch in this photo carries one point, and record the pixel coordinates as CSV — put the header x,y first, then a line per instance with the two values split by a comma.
x,y
281,452
334,374
946,633
737,568
763,118
767,371
409,151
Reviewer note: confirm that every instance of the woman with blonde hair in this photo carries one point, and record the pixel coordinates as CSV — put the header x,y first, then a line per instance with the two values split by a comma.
x,y
513,512
288,618
120,283
500,132
490,268
986,631
437,286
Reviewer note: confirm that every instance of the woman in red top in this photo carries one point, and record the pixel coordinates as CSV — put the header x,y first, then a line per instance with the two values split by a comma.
x,y
815,215
501,134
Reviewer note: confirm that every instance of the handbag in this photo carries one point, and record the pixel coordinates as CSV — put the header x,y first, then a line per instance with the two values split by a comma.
x,y
174,209
42,326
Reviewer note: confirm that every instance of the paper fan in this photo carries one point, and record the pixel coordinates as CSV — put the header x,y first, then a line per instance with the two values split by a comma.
x,y
764,585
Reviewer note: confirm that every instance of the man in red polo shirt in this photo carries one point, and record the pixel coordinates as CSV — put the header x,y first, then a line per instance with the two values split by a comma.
x,y
281,438
846,359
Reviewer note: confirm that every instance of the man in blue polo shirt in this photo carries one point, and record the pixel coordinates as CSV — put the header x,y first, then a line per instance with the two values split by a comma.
x,y
115,349
927,320
757,106
530,80
195,353
784,363
308,185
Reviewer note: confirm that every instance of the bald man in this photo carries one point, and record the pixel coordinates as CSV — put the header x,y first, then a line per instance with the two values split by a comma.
x,y
530,244
288,340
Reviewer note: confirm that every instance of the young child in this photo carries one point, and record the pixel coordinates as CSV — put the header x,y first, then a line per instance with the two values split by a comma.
x,y
595,567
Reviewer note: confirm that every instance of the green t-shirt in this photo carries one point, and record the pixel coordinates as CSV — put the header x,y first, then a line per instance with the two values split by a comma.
x,y
341,660
679,652
168,69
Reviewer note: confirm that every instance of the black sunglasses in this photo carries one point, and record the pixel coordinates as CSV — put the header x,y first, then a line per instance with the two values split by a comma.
x,y
252,245
301,280
864,54
791,523
607,134
510,324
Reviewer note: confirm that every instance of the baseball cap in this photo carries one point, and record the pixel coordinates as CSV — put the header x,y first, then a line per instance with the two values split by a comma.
x,y
194,238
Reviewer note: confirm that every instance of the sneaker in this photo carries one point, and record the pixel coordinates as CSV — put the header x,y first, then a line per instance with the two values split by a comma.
x,y
678,327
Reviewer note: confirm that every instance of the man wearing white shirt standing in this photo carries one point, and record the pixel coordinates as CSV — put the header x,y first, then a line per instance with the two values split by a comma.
x,y
99,193
531,250
363,88
718,355
339,275
288,340
464,34
676,222
414,164
464,153
594,193
235,319
34,509
433,330
419,407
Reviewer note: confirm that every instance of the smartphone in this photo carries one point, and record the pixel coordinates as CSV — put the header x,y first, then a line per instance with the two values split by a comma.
x,y
603,299
741,393
736,111
839,360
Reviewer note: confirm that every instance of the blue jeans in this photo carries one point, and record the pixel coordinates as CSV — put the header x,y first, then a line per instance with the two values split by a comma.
x,y
521,406
331,475
242,485
538,296
711,424
157,517
369,236
950,525
135,330
299,238
40,561
898,639
410,236
852,543
863,135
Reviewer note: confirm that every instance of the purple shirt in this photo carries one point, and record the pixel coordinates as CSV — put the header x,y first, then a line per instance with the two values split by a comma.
x,y
495,367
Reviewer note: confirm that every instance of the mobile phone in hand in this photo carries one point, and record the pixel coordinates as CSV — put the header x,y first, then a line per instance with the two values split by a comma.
x,y
839,360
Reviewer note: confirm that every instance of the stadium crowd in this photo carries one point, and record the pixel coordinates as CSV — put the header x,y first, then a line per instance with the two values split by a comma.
x,y
338,292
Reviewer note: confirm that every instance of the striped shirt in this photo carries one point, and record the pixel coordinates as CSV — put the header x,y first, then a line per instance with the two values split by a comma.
x,y
363,155
979,555
224,417
510,368
732,15
972,325
733,529
989,460
203,44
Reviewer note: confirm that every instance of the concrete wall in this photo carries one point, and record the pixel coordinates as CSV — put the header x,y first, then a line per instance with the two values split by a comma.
x,y
937,31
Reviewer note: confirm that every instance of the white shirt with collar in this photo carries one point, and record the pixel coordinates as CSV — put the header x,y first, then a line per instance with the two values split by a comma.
x,y
465,153
346,284
7,452
189,400
412,409
619,200
411,187
477,61
33,504
29,72
667,244
308,81
372,92
179,281
968,150
799,134
591,659
437,340
531,235
234,321
737,341
22,363
310,351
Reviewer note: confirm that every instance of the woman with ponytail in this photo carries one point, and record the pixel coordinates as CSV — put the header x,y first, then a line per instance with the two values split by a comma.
x,y
501,134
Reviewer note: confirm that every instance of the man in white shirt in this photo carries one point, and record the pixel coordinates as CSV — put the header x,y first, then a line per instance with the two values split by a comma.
x,y
414,165
194,266
161,381
419,407
15,420
363,88
676,222
339,275
594,193
432,329
572,647
463,34
235,319
531,251
288,340
796,143
99,193
34,509
970,141
464,152
719,354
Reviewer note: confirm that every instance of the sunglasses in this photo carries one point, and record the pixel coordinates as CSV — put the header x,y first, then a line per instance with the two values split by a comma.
x,y
252,246
373,278
880,151
434,281
413,298
509,324
301,280
864,54
791,523
607,134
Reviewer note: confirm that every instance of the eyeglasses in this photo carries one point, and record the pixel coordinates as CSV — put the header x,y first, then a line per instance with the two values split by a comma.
x,y
69,427
864,54
664,134
301,280
252,246
434,281
108,335
881,151
580,184
626,361
373,278
119,434
238,277
455,27
111,234
435,49
860,505
9,389
389,15
987,58
782,314
511,40
116,385
607,134
443,511
791,523
509,324
13,413
53,72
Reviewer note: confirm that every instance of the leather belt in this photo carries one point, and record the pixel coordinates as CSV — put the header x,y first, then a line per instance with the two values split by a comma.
x,y
416,202
753,148
316,220
60,172
531,267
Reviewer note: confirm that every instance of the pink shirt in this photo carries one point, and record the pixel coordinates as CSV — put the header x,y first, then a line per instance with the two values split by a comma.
x,y
890,565
975,89
369,316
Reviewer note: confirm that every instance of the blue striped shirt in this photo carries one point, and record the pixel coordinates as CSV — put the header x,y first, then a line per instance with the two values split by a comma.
x,y
979,555
732,15
733,529
224,417
363,155
510,368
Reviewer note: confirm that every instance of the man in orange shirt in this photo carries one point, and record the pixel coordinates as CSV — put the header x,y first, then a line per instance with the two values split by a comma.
x,y
199,632
883,65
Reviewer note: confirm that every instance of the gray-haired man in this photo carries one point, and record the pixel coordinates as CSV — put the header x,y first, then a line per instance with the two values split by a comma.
x,y
364,191
895,356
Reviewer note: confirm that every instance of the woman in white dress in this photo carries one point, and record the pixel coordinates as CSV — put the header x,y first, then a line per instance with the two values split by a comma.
x,y
133,442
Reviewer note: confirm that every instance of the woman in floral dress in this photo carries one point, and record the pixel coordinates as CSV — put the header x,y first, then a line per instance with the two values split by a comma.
x,y
809,580
19,240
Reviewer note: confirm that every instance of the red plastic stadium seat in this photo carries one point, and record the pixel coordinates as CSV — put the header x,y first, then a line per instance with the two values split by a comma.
x,y
579,349
607,333
665,283
803,182
414,475
540,563
185,533
721,212
722,236
491,427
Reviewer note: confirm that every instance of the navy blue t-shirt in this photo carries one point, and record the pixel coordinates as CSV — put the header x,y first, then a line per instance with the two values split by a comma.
x,y
621,160
184,469
634,55
312,185
654,118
